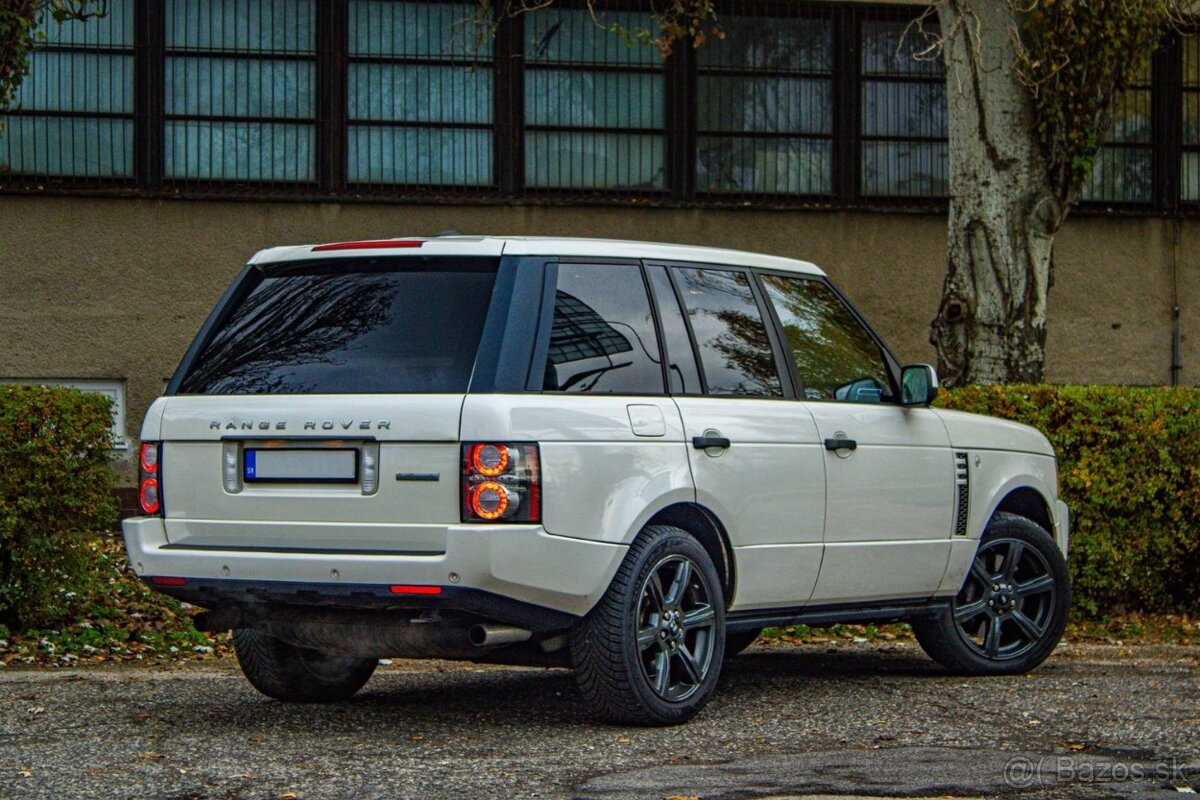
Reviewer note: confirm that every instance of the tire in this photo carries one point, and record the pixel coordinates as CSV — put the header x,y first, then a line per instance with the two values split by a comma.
x,y
735,643
296,674
1012,609
650,652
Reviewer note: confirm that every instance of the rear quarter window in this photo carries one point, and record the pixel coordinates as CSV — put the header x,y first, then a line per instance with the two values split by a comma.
x,y
399,326
602,340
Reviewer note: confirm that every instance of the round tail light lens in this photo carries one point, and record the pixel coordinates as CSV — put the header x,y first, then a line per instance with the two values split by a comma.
x,y
489,459
148,496
489,500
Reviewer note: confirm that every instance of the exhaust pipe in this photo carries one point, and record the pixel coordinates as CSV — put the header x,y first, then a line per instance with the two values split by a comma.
x,y
493,635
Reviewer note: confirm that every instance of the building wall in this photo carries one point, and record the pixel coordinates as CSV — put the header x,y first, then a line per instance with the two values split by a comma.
x,y
116,288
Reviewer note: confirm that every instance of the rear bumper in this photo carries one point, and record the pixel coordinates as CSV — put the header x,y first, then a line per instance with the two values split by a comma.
x,y
485,568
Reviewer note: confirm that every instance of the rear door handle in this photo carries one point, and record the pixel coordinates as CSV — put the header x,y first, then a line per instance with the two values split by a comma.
x,y
705,442
841,444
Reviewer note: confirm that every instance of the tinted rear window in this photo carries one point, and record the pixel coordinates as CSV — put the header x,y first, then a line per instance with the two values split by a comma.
x,y
350,330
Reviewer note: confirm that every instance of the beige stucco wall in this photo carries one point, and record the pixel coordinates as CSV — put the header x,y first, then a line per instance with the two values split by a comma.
x,y
116,288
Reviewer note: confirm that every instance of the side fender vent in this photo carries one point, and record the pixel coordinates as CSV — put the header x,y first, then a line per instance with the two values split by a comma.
x,y
962,489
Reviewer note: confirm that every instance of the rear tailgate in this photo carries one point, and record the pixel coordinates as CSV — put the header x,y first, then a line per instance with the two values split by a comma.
x,y
315,456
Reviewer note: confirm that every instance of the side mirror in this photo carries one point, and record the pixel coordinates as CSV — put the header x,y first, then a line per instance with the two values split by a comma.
x,y
918,385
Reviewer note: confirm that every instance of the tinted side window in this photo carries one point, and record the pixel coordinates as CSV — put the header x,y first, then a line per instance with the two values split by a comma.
x,y
682,375
603,338
734,349
835,355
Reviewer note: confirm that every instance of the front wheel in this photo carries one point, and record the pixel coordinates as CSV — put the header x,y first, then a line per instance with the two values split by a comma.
x,y
650,652
297,674
1012,608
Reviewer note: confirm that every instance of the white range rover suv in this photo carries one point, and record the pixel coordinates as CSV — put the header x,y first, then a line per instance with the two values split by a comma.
x,y
621,457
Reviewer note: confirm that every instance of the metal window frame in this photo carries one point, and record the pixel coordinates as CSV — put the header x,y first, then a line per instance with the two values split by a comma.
x,y
43,182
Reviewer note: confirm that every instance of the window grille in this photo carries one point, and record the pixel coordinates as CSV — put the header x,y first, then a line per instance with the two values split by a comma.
x,y
1123,170
595,112
903,111
72,120
765,107
788,103
239,91
420,102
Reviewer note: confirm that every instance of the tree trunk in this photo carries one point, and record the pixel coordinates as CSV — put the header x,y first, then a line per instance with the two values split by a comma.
x,y
991,326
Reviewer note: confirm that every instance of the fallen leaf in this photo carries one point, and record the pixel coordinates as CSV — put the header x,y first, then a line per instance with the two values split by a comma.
x,y
150,756
623,740
289,795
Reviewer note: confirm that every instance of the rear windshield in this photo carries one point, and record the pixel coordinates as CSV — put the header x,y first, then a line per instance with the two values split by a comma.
x,y
350,329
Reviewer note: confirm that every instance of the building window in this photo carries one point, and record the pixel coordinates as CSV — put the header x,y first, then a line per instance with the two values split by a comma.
x,y
1123,171
595,109
420,95
73,116
764,99
820,103
1190,157
903,109
239,91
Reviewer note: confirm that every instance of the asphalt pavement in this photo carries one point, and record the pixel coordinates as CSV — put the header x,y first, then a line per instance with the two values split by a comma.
x,y
839,719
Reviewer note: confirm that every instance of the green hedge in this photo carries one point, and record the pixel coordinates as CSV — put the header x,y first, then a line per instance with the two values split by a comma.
x,y
55,483
1129,468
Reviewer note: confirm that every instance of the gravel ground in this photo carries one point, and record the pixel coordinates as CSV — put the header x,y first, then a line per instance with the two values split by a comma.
x,y
844,719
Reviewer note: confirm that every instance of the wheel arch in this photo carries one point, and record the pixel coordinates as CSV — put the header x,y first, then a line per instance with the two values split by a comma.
x,y
1028,502
708,530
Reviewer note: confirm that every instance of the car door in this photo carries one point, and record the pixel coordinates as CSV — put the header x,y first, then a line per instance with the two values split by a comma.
x,y
754,452
889,469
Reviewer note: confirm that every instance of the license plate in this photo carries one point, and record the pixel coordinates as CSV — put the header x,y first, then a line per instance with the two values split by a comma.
x,y
281,465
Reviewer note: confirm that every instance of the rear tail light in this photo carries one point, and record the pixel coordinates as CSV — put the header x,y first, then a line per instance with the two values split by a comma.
x,y
501,483
149,478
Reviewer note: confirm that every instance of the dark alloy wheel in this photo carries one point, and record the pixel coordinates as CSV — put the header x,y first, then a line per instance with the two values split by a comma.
x,y
650,652
676,628
1012,608
1007,602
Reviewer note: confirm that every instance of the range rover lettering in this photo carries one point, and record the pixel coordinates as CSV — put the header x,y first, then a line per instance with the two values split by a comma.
x,y
620,457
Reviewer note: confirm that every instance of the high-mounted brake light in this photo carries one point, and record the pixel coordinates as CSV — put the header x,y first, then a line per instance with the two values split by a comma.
x,y
501,482
149,480
378,244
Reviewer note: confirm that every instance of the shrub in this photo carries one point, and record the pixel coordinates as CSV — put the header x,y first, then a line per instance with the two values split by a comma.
x,y
55,483
1129,469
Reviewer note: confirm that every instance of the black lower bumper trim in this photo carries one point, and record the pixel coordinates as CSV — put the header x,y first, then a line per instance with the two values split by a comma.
x,y
214,594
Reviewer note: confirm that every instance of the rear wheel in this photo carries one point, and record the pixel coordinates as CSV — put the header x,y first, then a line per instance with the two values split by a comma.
x,y
1012,608
650,652
296,674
